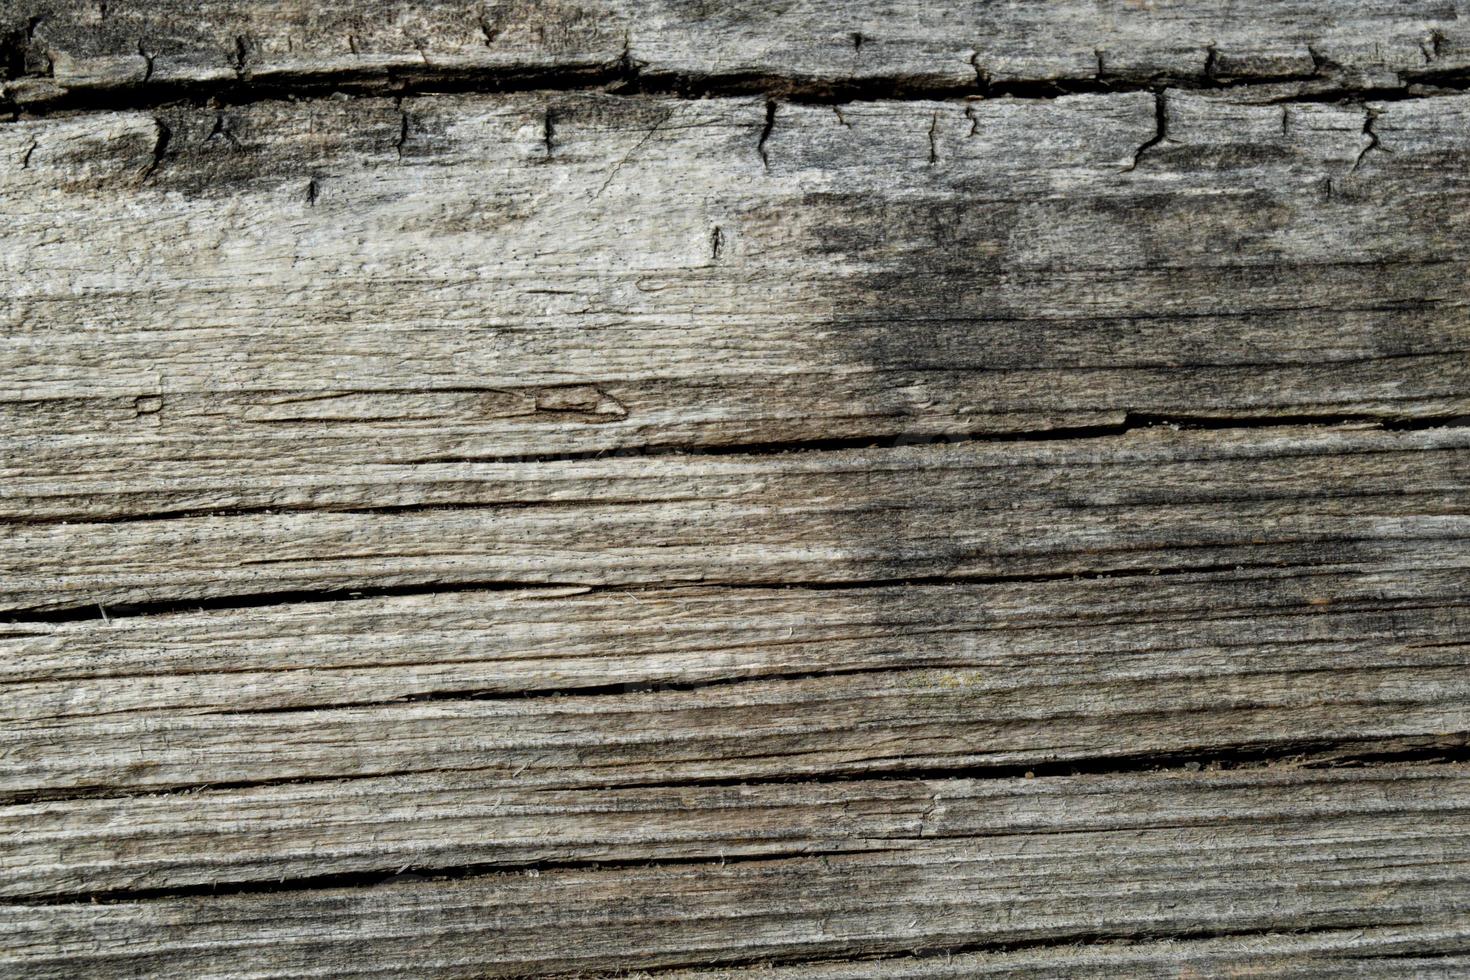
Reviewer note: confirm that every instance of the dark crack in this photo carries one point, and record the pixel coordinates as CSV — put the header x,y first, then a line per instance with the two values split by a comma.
x,y
1370,116
1161,130
160,148
627,77
760,146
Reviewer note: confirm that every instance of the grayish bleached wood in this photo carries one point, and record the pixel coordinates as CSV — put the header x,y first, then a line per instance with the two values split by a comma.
x,y
81,49
1155,499
1417,952
848,724
900,679
1060,644
1224,853
545,640
280,324
967,673
384,826
292,292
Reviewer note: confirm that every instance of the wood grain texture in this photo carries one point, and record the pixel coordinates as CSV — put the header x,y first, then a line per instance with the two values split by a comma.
x,y
730,489
829,681
302,289
1156,500
1402,951
1348,857
216,838
73,47
545,640
801,681
849,725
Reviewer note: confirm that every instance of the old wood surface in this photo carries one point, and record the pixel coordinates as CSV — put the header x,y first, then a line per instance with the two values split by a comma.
x,y
735,489
1198,871
63,48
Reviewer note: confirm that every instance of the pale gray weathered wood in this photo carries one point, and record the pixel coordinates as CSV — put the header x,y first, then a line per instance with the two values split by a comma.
x,y
1231,875
77,48
474,492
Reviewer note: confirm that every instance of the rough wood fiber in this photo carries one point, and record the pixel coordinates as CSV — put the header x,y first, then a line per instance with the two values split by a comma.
x,y
829,681
224,838
1410,952
1153,500
851,724
77,46
551,404
1232,873
545,640
298,289
952,694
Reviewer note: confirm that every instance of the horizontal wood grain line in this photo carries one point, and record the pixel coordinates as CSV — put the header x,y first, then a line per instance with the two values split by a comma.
x,y
25,509
1026,861
844,725
325,834
1155,499
358,283
1436,949
371,686
462,502
508,642
70,52
16,625
626,79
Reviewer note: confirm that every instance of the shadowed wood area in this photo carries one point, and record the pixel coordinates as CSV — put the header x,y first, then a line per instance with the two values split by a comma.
x,y
730,489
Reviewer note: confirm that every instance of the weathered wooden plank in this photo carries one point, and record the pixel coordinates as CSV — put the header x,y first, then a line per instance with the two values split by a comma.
x,y
386,648
411,323
1113,41
1327,857
86,49
1418,951
263,321
219,838
1388,665
59,48
1215,661
1156,499
849,724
